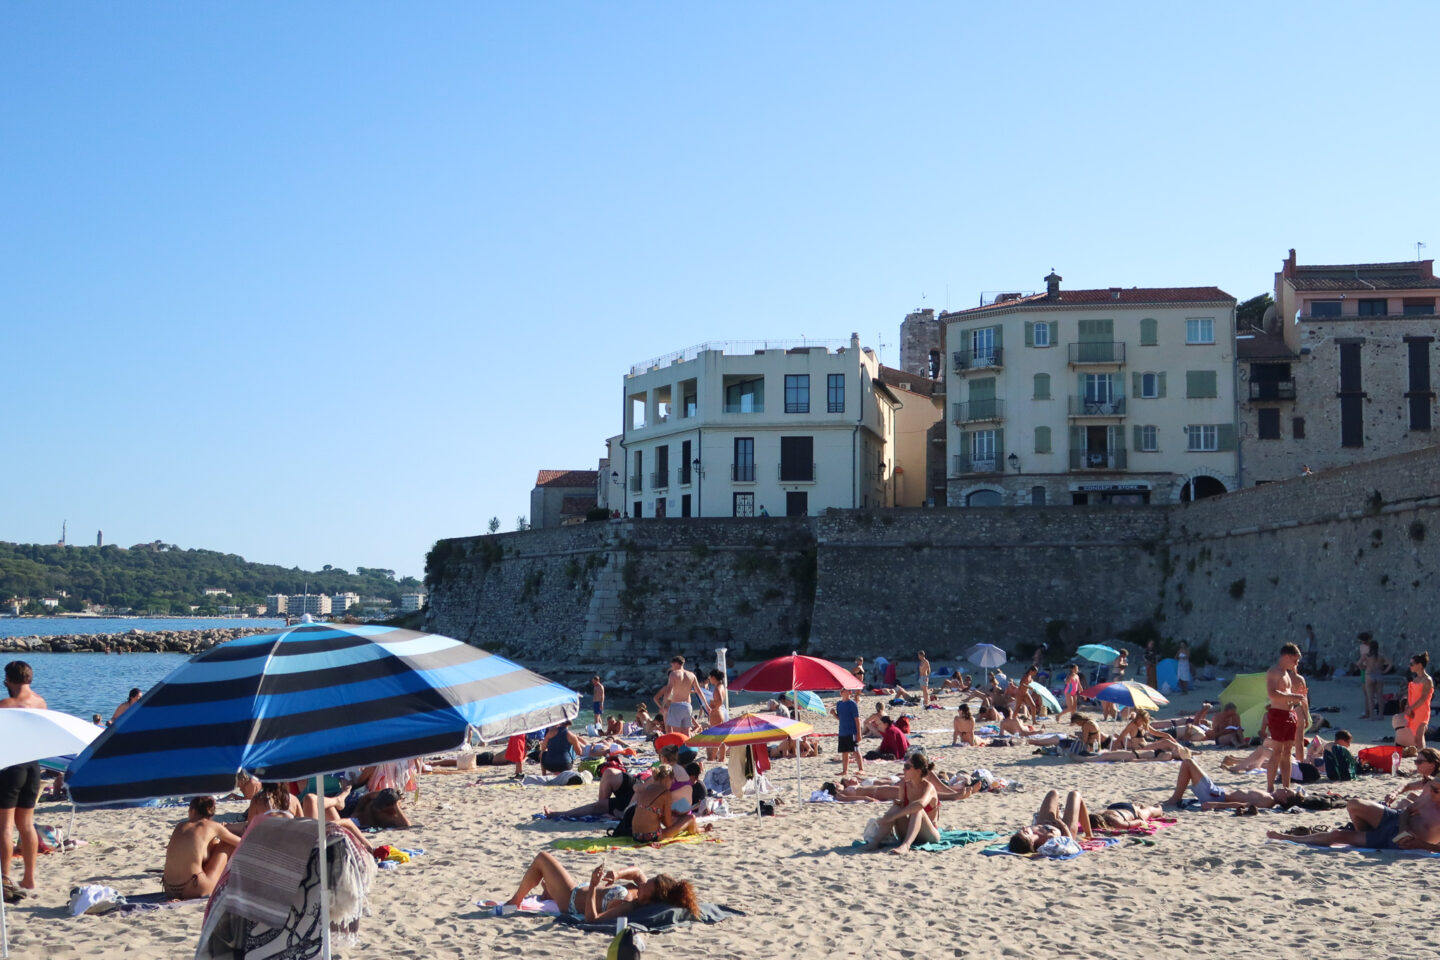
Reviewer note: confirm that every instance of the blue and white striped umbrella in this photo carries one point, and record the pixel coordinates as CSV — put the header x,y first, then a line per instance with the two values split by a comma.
x,y
308,700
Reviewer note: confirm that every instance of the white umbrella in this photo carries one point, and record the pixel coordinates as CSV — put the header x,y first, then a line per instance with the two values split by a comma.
x,y
27,735
986,656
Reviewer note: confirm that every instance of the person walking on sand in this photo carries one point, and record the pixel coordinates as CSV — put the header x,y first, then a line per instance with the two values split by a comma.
x,y
1182,667
19,790
597,699
1284,725
675,696
924,671
135,693
1417,698
847,712
1371,670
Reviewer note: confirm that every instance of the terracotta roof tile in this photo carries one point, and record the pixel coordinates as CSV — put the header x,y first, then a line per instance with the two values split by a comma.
x,y
566,478
1112,295
910,381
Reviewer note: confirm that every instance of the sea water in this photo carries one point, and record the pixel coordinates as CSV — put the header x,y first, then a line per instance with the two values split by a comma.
x,y
88,683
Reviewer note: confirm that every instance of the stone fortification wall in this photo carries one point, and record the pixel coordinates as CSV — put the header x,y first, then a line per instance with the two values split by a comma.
x,y
1351,549
1357,548
941,580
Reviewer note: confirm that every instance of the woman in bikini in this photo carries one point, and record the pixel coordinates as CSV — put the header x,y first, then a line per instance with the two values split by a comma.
x,y
964,730
197,854
654,819
1417,698
1051,822
609,894
1072,689
1125,816
1089,734
915,813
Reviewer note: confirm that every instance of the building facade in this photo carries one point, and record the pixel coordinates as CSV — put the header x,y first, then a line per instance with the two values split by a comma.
x,y
278,603
410,602
1341,371
315,604
1091,396
777,431
919,409
562,496
340,602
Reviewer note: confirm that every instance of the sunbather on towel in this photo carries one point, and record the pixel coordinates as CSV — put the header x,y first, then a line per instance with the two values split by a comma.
x,y
1050,821
1124,815
617,791
609,894
1413,827
915,814
198,851
1212,797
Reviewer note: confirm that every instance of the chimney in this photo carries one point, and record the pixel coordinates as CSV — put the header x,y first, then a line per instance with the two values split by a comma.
x,y
854,341
1052,285
1289,269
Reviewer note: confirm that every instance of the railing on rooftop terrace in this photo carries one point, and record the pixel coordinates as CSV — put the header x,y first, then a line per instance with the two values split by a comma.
x,y
733,347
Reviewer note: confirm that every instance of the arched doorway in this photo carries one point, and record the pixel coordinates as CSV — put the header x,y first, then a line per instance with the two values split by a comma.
x,y
1200,487
984,498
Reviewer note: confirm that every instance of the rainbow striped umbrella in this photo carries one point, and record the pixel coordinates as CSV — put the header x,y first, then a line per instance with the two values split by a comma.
x,y
751,728
1127,693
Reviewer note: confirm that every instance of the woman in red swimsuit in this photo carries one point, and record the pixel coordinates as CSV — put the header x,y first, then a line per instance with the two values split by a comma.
x,y
915,815
1417,698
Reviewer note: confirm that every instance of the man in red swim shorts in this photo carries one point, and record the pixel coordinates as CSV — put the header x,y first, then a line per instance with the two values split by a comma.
x,y
1282,723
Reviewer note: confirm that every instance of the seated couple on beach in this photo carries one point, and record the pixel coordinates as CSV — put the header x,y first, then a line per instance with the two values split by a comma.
x,y
654,803
1075,820
609,893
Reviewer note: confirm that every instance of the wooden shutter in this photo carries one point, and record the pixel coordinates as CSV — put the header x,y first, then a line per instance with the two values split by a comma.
x,y
999,452
1077,438
1148,336
1134,384
1137,444
1029,334
1225,436
1042,439
1160,384
998,332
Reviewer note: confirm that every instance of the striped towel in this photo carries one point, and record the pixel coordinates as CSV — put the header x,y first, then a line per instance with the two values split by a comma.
x,y
268,868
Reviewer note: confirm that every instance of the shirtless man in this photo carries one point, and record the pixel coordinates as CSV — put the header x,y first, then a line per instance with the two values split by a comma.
x,y
674,698
1412,827
198,851
20,786
1226,729
1212,797
1284,725
924,671
135,694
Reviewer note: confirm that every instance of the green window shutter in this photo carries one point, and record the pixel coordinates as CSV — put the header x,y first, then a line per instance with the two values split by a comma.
x,y
1077,438
1160,384
1148,332
1029,334
1107,329
1225,436
1136,437
999,448
962,440
1054,326
982,388
998,332
1208,382
1080,385
1042,386
1200,383
1042,439
1134,384
1192,383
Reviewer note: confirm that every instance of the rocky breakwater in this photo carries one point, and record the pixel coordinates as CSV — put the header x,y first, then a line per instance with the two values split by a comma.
x,y
136,641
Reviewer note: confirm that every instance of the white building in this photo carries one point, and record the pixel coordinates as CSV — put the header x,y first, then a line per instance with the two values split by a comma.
x,y
1092,396
410,602
340,602
710,433
278,603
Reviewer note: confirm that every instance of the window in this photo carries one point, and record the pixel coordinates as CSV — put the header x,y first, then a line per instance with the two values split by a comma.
x,y
984,449
661,479
1420,395
1324,308
1199,329
1149,332
797,393
1147,438
835,393
797,459
1149,386
1297,428
1269,423
744,505
1099,392
1418,307
1042,386
685,505
745,396
1352,398
1202,437
743,468
1039,334
1200,384
685,465
690,407
1042,439
982,346
1042,334
1374,308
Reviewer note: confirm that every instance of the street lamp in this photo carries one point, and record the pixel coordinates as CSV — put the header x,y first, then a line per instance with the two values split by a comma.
x,y
1014,462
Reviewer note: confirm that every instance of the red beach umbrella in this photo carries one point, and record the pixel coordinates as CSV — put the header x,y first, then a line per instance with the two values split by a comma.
x,y
796,672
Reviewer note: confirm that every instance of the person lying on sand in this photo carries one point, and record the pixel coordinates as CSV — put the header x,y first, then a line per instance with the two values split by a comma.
x,y
1050,821
197,853
1125,815
617,790
1212,797
887,790
1194,727
1412,827
1226,729
916,811
609,894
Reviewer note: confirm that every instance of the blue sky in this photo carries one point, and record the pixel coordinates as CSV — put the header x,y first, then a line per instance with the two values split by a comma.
x,y
322,283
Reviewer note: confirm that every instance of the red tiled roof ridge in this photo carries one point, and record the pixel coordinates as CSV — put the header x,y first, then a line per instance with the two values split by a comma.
x,y
1409,266
566,478
1103,295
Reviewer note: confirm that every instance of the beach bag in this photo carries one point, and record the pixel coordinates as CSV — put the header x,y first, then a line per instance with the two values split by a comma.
x,y
625,828
1340,764
1378,759
51,837
1309,773
628,944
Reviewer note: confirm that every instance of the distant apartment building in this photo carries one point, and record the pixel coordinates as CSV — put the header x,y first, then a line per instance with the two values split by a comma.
x,y
1342,370
1117,395
50,603
315,604
719,430
228,608
340,602
920,408
562,496
410,602
278,603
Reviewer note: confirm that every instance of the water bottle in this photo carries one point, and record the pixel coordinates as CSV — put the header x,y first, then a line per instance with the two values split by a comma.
x,y
504,909
621,922
1395,764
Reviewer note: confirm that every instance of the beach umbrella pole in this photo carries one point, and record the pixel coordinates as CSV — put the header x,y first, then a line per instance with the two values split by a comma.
x,y
4,931
324,870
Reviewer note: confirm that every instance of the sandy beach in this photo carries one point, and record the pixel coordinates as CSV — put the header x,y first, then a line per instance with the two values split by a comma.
x,y
1209,886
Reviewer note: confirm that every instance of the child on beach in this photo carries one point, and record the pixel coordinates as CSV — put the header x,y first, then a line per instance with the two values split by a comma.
x,y
847,712
1072,689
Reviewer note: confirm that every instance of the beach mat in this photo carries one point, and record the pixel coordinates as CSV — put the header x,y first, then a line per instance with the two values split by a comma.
x,y
1348,849
1099,843
654,918
603,844
949,840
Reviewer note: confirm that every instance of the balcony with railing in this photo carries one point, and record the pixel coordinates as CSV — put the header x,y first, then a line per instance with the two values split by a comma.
x,y
968,360
686,475
659,479
1272,389
1097,351
743,472
635,484
1093,407
962,463
1097,459
972,411
790,471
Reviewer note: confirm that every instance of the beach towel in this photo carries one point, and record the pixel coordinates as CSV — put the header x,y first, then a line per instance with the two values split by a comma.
x,y
588,818
949,840
1003,850
603,844
654,918
1348,849
1150,829
268,867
